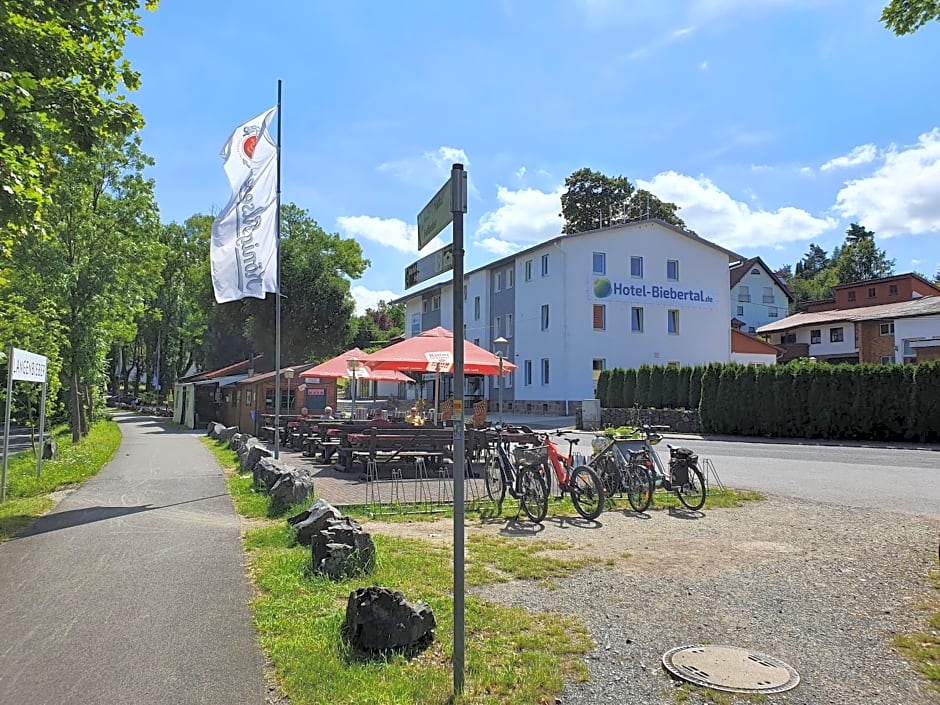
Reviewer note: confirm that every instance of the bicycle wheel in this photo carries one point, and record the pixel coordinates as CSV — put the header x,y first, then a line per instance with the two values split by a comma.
x,y
587,492
607,470
546,471
533,497
494,481
640,486
692,495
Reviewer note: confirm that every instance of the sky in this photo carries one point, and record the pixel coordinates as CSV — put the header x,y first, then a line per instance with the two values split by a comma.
x,y
773,124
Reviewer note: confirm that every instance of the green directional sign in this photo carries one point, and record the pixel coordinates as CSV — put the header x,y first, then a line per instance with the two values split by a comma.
x,y
436,216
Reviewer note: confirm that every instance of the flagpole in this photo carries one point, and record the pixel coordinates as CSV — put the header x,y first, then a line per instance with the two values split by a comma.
x,y
277,296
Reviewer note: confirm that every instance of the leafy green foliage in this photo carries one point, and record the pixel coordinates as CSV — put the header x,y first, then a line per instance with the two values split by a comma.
x,y
629,388
603,380
60,93
592,200
615,392
695,387
907,16
656,387
642,394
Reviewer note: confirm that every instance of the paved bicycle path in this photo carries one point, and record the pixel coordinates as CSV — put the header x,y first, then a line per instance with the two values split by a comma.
x,y
133,590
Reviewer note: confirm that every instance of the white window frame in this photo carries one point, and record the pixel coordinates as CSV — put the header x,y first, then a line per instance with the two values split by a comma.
x,y
599,368
832,333
509,325
886,328
673,321
527,267
544,320
497,326
545,269
476,308
636,260
498,282
436,302
527,373
818,336
672,262
510,277
740,311
772,312
639,310
508,379
603,260
546,368
603,308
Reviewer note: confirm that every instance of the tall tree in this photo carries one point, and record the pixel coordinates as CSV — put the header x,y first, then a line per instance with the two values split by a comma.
x,y
61,76
907,16
814,261
860,259
593,200
100,260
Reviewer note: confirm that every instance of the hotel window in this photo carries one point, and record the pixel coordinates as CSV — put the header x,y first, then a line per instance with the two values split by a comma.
x,y
510,277
673,321
871,292
425,305
498,282
887,328
527,372
740,311
772,312
507,378
464,292
768,296
498,326
636,319
528,270
887,360
416,324
672,270
544,316
815,337
835,335
755,271
545,371
851,296
544,265
509,325
893,289
476,308
598,364
476,341
744,294
599,263
436,303
636,267
600,317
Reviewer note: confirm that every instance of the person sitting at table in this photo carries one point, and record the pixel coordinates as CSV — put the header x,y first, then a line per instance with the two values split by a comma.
x,y
328,413
414,418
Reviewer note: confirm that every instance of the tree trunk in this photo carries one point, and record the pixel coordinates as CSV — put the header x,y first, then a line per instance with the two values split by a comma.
x,y
117,355
75,416
89,410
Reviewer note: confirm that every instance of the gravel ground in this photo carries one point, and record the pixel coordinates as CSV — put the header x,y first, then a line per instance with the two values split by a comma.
x,y
821,587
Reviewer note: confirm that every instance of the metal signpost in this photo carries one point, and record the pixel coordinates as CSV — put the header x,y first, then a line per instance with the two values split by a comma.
x,y
430,266
450,204
25,367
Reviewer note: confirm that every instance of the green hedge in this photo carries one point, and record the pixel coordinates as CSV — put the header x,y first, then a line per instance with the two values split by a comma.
x,y
801,399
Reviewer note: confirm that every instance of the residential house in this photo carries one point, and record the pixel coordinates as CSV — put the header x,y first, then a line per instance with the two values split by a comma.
x,y
758,296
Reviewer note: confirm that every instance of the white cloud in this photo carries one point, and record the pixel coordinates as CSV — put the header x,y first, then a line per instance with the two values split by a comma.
x,y
716,216
900,197
863,154
369,298
427,169
498,247
524,216
676,35
703,66
807,171
390,232
915,262
521,172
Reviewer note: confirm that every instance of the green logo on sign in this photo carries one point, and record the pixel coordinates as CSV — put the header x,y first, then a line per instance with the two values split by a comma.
x,y
602,287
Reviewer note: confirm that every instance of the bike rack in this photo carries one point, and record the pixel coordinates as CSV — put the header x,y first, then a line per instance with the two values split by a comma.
x,y
708,470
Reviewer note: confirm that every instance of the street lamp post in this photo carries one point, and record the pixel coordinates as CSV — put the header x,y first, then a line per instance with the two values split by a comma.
x,y
289,374
352,365
499,353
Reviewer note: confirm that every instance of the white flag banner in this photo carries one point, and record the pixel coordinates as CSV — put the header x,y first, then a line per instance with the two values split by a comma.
x,y
243,251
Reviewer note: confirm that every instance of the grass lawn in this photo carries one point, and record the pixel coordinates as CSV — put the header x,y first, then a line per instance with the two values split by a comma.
x,y
923,648
513,655
27,496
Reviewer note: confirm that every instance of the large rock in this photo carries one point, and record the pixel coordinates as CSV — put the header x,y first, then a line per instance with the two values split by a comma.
x,y
215,429
342,549
312,521
255,450
268,471
225,435
380,620
291,489
238,441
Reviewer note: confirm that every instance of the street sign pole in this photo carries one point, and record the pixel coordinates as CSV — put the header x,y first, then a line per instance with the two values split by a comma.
x,y
6,426
42,430
458,182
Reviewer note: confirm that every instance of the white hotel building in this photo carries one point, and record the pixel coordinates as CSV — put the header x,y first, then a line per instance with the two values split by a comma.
x,y
643,292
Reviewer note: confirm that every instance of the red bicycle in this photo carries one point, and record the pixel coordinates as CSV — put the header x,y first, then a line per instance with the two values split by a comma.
x,y
582,483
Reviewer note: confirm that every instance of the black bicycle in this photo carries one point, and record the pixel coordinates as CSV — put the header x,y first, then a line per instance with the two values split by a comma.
x,y
626,469
523,482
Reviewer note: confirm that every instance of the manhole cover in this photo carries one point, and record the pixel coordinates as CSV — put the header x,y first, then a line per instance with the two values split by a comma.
x,y
730,668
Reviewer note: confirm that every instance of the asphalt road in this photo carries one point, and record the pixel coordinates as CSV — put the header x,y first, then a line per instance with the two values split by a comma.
x,y
19,438
900,477
134,589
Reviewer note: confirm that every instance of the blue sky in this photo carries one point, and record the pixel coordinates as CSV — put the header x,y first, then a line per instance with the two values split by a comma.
x,y
772,123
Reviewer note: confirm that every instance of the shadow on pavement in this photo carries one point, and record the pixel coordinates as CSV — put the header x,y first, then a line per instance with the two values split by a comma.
x,y
87,515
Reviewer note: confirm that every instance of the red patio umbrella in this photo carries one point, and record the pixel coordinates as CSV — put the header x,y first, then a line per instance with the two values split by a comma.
x,y
433,351
339,367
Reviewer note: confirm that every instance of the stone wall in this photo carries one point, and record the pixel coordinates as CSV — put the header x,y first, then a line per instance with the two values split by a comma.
x,y
678,420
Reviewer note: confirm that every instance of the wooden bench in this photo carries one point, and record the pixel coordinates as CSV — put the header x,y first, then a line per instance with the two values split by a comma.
x,y
393,446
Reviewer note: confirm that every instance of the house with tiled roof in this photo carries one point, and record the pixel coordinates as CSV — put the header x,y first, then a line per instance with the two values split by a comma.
x,y
893,319
758,296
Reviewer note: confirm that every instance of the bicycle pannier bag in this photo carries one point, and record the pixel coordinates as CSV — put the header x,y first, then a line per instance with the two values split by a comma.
x,y
679,464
